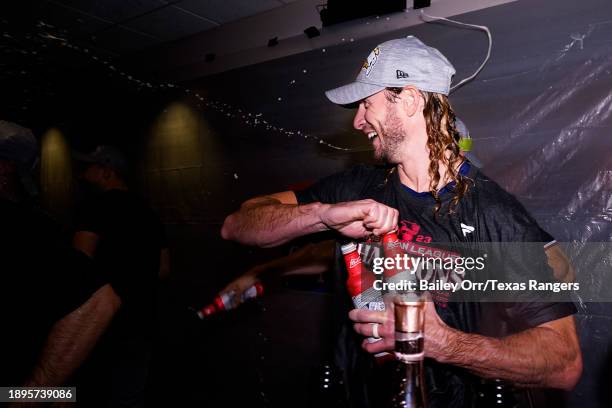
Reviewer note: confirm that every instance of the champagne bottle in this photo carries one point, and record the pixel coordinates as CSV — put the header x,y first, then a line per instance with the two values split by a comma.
x,y
229,301
359,284
408,389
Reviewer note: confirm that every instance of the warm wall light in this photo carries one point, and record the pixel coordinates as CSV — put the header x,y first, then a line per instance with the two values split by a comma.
x,y
181,164
56,174
175,139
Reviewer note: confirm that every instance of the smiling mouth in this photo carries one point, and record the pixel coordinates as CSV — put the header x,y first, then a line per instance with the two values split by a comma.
x,y
372,135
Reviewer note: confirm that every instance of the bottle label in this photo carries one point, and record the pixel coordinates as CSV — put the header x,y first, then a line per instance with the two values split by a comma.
x,y
369,299
249,293
227,300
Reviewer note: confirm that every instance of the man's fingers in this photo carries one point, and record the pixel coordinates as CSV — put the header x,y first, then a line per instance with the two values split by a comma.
x,y
367,330
381,219
394,218
389,223
360,328
367,316
384,344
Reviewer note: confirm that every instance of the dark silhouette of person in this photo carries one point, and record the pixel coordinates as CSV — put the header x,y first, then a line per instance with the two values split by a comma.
x,y
125,238
54,304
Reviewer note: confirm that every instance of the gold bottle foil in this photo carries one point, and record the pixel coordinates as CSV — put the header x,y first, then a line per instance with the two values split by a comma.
x,y
409,315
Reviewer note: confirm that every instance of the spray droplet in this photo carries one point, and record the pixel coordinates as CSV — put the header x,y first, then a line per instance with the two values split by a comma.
x,y
235,176
280,99
323,50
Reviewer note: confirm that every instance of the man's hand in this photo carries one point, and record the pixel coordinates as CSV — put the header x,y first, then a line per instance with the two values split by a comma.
x,y
358,219
364,320
436,331
547,355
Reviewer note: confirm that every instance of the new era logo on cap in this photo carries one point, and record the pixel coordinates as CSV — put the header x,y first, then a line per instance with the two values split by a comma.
x,y
401,74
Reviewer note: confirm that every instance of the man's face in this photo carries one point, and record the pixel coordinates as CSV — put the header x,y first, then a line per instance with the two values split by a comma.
x,y
380,120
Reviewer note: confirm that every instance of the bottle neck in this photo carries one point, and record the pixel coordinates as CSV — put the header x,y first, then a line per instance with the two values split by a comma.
x,y
409,347
409,388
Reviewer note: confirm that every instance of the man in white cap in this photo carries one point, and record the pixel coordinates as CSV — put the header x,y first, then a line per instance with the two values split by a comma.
x,y
434,195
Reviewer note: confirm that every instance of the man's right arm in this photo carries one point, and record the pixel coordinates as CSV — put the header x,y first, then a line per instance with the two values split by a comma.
x,y
73,337
273,220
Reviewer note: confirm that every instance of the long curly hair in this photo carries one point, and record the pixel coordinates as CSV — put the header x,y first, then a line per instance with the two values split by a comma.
x,y
442,137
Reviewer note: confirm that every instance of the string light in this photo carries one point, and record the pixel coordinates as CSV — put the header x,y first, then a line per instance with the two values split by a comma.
x,y
49,33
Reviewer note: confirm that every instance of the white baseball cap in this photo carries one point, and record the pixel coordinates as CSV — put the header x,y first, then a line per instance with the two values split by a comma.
x,y
397,63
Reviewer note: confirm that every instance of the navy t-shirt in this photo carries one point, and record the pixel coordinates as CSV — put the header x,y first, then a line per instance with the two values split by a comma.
x,y
492,214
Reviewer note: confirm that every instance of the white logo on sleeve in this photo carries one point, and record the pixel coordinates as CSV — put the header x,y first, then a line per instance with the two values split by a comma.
x,y
466,229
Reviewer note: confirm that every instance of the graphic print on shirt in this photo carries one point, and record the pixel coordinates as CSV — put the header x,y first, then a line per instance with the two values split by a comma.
x,y
416,243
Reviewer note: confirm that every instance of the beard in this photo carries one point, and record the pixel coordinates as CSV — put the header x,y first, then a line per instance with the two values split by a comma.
x,y
393,134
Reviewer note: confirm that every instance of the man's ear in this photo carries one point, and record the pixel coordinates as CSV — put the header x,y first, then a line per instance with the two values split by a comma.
x,y
411,100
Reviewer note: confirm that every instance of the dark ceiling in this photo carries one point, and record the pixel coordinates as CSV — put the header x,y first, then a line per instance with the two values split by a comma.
x,y
118,27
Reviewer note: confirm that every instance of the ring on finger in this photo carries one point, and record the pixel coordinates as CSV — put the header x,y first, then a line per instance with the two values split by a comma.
x,y
375,333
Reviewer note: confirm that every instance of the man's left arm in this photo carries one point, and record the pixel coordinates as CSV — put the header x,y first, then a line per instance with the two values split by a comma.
x,y
547,355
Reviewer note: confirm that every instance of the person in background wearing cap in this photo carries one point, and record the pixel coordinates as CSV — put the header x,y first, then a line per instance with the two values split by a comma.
x,y
54,304
127,240
436,195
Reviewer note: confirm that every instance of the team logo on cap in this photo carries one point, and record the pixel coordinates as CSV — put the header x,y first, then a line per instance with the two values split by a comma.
x,y
371,61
